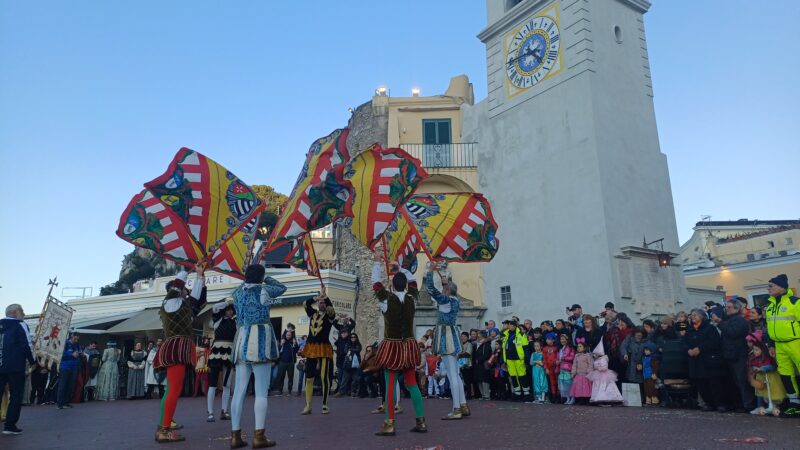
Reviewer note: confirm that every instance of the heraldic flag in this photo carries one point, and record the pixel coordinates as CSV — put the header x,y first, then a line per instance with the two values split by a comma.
x,y
320,194
382,180
191,212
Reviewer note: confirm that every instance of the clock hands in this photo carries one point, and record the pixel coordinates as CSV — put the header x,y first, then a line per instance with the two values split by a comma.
x,y
536,57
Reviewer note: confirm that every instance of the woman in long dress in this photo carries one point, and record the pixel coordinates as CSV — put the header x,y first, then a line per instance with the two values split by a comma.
x,y
108,378
136,372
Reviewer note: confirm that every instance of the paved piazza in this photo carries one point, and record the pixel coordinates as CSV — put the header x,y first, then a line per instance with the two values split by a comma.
x,y
126,424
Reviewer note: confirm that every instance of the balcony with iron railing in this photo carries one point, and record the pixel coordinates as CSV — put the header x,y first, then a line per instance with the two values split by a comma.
x,y
444,156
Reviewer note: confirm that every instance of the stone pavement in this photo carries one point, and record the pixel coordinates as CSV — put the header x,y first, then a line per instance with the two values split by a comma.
x,y
124,424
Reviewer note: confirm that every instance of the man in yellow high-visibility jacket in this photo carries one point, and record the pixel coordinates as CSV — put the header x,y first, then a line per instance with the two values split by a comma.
x,y
514,343
783,325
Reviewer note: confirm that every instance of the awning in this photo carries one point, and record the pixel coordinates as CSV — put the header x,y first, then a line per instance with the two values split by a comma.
x,y
146,320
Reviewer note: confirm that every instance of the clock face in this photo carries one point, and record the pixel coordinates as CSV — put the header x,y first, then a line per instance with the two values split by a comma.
x,y
532,52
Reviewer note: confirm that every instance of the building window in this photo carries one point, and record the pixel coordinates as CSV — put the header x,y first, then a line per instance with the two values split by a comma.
x,y
789,241
771,244
760,300
505,296
436,140
512,3
751,257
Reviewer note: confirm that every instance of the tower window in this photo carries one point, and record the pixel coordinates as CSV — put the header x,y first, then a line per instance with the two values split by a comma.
x,y
512,3
505,296
618,34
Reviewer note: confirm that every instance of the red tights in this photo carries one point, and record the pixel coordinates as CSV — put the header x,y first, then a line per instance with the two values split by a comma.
x,y
175,375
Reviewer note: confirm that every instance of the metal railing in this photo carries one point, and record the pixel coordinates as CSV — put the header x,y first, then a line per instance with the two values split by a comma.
x,y
444,155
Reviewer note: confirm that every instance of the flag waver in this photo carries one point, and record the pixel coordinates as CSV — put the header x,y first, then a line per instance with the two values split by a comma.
x,y
320,194
382,180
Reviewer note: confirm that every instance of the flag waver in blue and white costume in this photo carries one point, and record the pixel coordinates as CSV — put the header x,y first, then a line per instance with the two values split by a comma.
x,y
254,349
255,339
446,342
445,337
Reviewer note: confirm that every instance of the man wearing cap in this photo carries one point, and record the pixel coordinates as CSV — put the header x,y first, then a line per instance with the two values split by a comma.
x,y
783,325
576,316
15,350
177,313
68,371
514,344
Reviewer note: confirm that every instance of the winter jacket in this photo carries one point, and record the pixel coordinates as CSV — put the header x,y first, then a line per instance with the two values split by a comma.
x,y
783,317
709,363
565,357
674,359
582,364
635,351
734,329
480,359
15,345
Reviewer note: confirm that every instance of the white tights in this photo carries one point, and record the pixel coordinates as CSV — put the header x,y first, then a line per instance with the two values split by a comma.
x,y
263,373
456,385
227,379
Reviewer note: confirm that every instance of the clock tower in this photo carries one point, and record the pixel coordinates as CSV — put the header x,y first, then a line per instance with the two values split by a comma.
x,y
570,161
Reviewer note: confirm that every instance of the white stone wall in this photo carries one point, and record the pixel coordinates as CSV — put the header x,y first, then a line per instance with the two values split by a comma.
x,y
573,167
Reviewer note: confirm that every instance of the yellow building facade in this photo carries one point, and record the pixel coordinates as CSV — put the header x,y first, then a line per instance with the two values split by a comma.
x,y
739,257
429,129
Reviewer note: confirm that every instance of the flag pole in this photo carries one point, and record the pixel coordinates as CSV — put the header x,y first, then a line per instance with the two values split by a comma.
x,y
385,256
314,257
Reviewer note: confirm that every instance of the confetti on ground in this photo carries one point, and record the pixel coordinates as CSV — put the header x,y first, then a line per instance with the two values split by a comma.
x,y
746,440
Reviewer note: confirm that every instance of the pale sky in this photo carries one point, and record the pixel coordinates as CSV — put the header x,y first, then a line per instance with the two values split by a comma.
x,y
96,98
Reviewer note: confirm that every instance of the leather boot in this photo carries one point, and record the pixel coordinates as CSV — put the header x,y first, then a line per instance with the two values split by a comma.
x,y
378,410
236,439
260,440
454,415
420,427
465,412
164,435
387,429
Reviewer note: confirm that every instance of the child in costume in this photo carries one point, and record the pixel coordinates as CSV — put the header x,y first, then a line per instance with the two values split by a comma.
x,y
604,380
764,378
550,356
565,357
431,368
538,374
581,389
650,366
